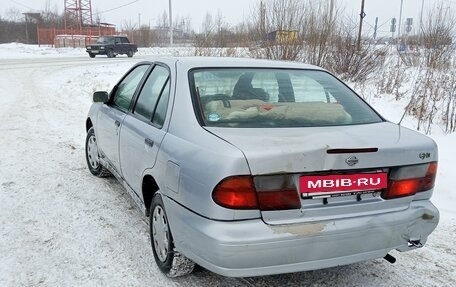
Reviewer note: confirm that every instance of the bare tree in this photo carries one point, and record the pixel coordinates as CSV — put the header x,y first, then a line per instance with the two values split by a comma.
x,y
433,95
320,28
342,57
436,35
14,15
222,31
275,29
208,25
203,40
161,30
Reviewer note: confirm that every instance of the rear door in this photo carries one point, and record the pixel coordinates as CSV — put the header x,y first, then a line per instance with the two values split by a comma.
x,y
111,115
142,130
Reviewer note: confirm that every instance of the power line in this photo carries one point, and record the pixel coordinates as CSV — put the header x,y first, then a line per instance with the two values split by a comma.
x,y
450,1
22,4
118,7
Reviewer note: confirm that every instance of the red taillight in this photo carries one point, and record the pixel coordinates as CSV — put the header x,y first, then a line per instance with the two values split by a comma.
x,y
277,192
279,200
270,193
429,179
401,188
237,192
408,181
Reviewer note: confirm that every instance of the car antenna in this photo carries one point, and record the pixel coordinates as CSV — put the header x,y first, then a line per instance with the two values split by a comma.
x,y
403,116
406,110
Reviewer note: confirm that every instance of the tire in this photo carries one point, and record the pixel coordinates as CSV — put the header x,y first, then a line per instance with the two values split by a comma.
x,y
110,53
130,53
168,260
91,55
93,157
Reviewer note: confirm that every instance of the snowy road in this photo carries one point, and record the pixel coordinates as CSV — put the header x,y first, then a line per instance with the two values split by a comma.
x,y
60,226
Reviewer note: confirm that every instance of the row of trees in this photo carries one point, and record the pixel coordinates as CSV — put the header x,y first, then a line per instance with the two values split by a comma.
x,y
315,32
316,23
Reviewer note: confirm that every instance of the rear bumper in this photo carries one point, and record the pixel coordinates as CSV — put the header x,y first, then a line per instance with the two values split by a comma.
x,y
253,248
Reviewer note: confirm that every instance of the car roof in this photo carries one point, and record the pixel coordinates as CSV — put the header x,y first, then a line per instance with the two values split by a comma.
x,y
112,36
213,62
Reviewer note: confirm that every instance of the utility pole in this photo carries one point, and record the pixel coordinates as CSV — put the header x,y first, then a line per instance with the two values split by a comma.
x,y
421,20
139,41
361,17
421,13
400,21
170,24
331,9
262,20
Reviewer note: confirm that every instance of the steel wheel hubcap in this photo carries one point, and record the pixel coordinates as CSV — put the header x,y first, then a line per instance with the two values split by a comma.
x,y
160,233
92,152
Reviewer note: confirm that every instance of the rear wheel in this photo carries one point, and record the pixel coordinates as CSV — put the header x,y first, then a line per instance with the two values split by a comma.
x,y
93,157
91,55
168,260
130,53
110,53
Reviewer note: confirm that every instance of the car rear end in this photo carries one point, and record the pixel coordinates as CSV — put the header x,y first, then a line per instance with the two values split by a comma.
x,y
310,220
331,181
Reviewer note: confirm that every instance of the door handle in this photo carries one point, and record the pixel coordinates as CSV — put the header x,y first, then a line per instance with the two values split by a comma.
x,y
117,123
149,142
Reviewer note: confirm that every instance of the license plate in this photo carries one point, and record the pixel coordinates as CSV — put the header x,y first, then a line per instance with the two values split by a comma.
x,y
314,185
95,51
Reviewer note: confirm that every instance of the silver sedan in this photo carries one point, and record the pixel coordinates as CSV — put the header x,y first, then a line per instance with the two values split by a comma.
x,y
254,167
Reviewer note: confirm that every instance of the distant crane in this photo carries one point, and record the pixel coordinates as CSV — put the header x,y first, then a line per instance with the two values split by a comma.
x,y
78,13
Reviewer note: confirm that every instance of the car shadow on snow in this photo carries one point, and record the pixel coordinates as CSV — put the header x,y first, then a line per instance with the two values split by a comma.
x,y
369,273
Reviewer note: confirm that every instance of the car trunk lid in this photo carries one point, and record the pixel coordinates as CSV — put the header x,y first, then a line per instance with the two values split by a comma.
x,y
340,152
309,149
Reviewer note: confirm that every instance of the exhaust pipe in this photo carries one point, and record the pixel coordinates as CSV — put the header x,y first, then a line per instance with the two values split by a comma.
x,y
389,258
415,243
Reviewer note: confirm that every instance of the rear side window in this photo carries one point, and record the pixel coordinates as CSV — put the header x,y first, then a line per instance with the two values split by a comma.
x,y
153,97
162,106
235,97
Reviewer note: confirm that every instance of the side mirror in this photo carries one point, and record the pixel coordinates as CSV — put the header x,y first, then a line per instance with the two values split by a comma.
x,y
100,97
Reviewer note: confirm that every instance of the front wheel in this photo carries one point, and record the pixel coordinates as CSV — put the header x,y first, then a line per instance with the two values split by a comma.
x,y
168,260
110,53
130,53
91,55
93,157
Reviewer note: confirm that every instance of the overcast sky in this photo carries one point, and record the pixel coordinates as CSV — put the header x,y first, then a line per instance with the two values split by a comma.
x,y
233,11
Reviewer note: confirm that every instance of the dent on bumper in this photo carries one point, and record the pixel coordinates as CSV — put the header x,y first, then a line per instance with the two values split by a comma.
x,y
253,248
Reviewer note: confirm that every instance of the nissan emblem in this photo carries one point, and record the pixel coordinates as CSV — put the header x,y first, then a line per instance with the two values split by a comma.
x,y
351,161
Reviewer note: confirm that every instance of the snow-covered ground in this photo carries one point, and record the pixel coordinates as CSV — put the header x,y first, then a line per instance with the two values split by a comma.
x,y
60,226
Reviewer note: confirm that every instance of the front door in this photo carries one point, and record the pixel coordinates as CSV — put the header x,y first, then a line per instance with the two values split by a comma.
x,y
112,115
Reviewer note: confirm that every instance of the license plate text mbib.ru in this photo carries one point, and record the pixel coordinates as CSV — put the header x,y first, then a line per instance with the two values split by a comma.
x,y
352,182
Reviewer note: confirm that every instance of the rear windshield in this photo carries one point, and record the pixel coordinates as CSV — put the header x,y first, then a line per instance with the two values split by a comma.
x,y
239,97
